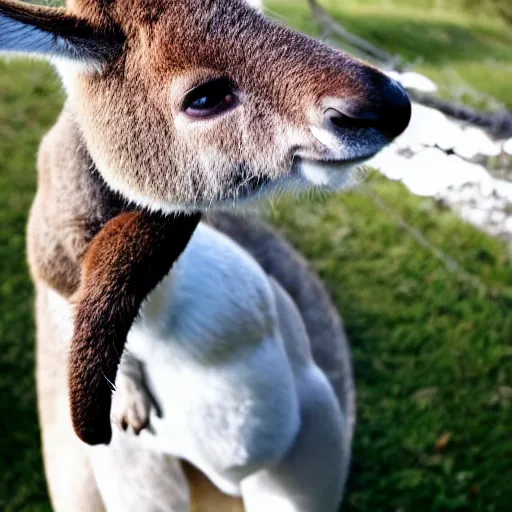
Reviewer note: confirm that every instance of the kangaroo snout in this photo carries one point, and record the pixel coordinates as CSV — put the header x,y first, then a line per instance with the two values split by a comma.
x,y
387,109
395,109
357,111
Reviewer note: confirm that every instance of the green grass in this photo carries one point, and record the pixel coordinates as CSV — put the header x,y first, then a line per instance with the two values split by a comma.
x,y
432,349
29,102
461,50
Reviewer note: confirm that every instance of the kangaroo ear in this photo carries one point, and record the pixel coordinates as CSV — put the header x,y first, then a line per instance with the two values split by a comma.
x,y
53,33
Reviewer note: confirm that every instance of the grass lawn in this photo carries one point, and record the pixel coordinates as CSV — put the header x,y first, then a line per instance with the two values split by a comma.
x,y
432,346
29,102
432,349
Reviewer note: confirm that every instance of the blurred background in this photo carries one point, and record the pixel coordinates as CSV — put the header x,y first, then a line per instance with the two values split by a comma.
x,y
418,258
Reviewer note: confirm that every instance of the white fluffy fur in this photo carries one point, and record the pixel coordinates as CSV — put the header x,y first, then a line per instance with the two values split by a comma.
x,y
333,177
325,137
227,357
257,4
68,71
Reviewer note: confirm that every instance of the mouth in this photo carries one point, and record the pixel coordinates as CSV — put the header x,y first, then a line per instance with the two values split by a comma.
x,y
304,174
330,174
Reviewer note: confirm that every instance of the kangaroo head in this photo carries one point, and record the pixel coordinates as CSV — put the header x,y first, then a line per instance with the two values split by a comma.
x,y
188,103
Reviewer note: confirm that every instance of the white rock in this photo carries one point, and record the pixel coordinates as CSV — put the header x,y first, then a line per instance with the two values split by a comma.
x,y
499,190
390,163
426,175
497,217
508,225
475,141
424,124
413,80
432,172
476,216
406,141
465,149
429,127
416,147
490,204
504,189
488,188
449,135
395,75
507,147
467,193
462,172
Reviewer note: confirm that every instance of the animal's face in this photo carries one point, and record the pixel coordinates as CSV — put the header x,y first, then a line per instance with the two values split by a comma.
x,y
191,102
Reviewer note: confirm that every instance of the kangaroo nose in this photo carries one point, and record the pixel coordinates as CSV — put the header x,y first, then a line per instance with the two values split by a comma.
x,y
389,112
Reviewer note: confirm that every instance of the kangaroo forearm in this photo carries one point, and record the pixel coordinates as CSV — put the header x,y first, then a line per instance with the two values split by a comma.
x,y
124,262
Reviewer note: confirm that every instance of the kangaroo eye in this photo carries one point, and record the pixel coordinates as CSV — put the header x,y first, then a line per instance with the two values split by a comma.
x,y
210,99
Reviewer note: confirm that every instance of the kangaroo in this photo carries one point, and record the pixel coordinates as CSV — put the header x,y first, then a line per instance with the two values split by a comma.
x,y
176,107
254,412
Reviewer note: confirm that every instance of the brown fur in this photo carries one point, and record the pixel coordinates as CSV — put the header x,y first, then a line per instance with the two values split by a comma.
x,y
130,117
143,152
71,205
124,262
123,130
272,67
68,212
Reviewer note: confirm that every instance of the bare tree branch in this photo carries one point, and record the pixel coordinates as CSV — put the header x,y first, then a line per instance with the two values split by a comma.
x,y
498,124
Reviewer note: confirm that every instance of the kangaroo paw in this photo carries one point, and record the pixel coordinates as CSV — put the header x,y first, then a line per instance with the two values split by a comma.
x,y
132,403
